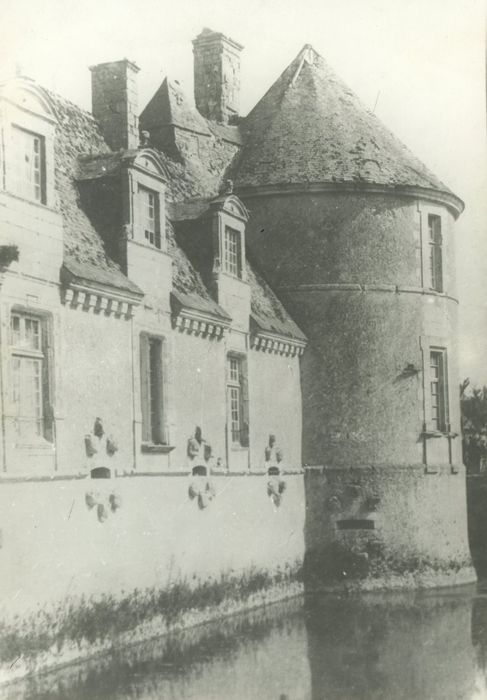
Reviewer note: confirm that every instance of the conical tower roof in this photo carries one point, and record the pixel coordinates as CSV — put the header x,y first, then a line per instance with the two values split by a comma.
x,y
170,107
311,128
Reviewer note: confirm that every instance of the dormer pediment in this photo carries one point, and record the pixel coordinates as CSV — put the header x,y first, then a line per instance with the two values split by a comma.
x,y
232,205
148,161
27,96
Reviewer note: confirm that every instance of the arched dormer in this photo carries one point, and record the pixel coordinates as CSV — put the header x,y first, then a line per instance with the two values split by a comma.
x,y
28,122
230,216
145,203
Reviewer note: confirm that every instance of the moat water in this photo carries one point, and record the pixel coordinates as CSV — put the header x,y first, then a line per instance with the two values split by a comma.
x,y
423,646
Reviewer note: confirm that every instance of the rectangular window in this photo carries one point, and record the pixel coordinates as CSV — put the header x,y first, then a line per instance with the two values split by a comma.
x,y
435,252
439,389
149,207
152,396
29,168
29,376
232,255
237,401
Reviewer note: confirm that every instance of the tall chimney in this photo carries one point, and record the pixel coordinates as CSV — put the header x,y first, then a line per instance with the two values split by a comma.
x,y
114,102
216,75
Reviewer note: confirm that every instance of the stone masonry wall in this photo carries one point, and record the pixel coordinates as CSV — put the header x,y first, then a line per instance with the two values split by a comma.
x,y
354,271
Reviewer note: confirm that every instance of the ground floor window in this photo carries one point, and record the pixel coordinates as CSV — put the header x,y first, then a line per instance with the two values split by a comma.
x,y
237,400
29,376
152,389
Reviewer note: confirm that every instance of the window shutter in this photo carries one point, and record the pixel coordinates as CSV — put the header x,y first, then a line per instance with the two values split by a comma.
x,y
439,266
47,363
144,388
244,392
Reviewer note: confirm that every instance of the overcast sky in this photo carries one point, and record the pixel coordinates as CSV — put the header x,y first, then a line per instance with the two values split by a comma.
x,y
422,61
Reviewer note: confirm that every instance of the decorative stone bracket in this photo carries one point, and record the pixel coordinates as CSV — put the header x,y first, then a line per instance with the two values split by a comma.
x,y
277,344
105,303
8,255
193,324
275,487
202,489
104,504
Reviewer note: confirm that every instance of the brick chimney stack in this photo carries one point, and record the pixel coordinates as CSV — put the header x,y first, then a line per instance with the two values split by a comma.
x,y
216,76
114,102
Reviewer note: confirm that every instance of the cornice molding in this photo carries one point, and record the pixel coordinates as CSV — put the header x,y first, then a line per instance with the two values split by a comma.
x,y
454,203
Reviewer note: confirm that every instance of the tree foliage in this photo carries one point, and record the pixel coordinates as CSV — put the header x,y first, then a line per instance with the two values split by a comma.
x,y
474,425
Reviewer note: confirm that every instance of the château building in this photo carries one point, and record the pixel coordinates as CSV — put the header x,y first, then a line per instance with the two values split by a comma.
x,y
189,296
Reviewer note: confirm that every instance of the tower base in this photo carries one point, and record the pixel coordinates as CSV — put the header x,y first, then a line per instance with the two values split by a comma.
x,y
386,528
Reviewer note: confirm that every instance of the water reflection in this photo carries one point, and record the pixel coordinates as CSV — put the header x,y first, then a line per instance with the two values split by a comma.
x,y
389,647
401,647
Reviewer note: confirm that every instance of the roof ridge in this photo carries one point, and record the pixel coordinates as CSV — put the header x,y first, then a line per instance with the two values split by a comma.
x,y
274,85
307,55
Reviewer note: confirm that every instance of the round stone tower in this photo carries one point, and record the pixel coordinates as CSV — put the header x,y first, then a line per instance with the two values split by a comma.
x,y
356,236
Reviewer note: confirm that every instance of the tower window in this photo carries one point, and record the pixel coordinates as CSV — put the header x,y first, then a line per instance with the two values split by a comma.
x,y
29,169
435,252
150,219
232,257
439,389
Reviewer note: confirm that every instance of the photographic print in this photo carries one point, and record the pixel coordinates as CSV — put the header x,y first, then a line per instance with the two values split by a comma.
x,y
243,341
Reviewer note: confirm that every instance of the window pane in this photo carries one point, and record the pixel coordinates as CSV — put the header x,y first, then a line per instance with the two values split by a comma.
x,y
27,169
232,256
438,390
235,413
32,339
15,328
28,373
27,395
152,389
150,216
435,253
234,369
155,392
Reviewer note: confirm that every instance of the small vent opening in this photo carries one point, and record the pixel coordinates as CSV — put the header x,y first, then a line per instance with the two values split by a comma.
x,y
101,473
355,524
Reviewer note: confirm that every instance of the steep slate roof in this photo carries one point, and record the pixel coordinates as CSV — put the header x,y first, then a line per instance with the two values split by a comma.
x,y
267,313
84,253
81,153
310,127
200,175
170,107
188,287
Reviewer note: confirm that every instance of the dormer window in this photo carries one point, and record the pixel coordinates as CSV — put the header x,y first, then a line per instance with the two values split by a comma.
x,y
150,217
28,126
29,166
145,201
232,253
